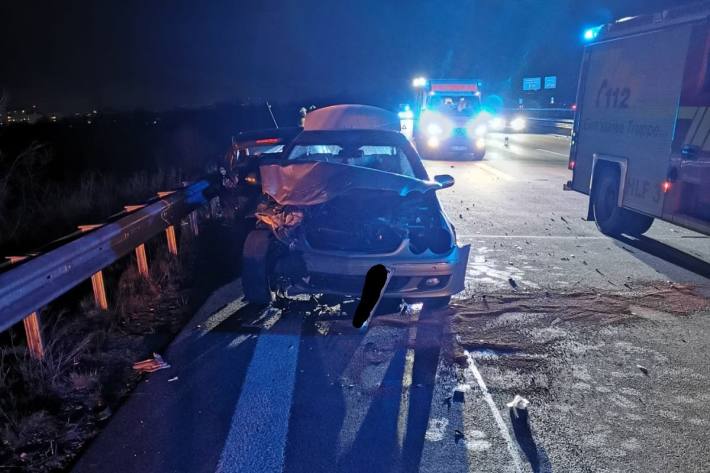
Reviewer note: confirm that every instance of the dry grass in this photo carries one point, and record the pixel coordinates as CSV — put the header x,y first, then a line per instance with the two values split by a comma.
x,y
51,407
29,199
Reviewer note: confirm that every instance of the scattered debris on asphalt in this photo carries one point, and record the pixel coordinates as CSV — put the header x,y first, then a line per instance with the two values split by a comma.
x,y
151,364
643,369
175,378
518,403
512,283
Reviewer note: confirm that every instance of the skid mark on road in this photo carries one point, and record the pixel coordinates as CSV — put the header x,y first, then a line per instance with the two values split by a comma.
x,y
257,436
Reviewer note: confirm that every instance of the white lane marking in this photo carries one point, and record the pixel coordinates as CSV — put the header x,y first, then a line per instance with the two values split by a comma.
x,y
221,315
552,152
257,436
495,172
403,416
512,447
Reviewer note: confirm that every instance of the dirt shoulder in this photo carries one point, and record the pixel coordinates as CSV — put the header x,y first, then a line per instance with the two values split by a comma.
x,y
51,409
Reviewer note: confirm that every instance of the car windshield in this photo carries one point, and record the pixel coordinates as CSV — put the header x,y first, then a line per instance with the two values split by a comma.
x,y
380,157
455,105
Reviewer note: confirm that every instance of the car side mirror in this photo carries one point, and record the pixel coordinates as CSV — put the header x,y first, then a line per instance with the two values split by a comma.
x,y
445,180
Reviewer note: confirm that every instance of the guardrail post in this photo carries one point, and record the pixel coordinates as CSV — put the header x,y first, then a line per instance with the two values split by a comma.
x,y
172,241
142,260
33,332
97,282
192,217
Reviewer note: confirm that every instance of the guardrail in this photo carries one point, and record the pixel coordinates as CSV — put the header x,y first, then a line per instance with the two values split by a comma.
x,y
40,279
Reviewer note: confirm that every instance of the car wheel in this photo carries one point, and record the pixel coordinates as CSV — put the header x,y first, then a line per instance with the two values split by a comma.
x,y
255,267
609,217
437,302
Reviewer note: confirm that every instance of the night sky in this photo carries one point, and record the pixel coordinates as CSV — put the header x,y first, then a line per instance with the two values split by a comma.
x,y
158,54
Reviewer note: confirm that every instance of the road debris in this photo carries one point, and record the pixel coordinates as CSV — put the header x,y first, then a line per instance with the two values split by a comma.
x,y
175,378
518,403
643,369
512,283
151,364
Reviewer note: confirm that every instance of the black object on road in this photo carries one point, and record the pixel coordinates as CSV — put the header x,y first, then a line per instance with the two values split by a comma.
x,y
375,283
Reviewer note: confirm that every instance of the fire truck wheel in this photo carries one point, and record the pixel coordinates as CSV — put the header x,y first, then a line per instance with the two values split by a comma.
x,y
255,271
609,217
638,224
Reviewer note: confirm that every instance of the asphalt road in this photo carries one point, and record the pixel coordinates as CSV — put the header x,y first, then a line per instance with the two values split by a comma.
x,y
616,371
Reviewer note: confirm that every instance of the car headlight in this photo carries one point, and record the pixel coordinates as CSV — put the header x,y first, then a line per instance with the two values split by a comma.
x,y
480,143
518,124
480,130
433,142
434,129
498,123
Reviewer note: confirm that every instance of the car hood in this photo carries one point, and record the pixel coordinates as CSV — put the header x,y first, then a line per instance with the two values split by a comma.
x,y
315,182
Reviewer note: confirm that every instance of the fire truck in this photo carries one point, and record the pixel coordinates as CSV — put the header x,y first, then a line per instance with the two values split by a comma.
x,y
447,119
641,137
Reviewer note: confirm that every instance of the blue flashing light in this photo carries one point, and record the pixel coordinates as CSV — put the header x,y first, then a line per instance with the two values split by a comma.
x,y
591,34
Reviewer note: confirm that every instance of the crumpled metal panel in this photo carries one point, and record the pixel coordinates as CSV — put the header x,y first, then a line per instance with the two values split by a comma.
x,y
314,182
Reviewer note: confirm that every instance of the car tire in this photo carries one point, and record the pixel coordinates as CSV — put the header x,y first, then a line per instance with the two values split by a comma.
x,y
255,267
437,302
609,217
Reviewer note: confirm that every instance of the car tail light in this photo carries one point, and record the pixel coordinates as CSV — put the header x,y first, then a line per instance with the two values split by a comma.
x,y
268,141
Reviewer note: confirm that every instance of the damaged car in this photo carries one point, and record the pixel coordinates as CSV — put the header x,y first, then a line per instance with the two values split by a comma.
x,y
348,193
239,187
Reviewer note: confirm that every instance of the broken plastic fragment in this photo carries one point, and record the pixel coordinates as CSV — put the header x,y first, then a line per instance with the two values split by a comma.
x,y
151,364
518,402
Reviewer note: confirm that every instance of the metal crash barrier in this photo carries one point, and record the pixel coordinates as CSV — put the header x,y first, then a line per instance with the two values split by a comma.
x,y
40,279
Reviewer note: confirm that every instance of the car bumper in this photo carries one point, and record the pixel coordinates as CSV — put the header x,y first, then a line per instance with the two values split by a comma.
x,y
456,146
413,276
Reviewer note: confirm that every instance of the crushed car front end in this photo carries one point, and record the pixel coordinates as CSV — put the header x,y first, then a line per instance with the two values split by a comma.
x,y
334,218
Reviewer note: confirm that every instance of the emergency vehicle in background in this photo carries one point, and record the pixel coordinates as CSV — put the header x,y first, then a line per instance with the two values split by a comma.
x,y
447,119
641,137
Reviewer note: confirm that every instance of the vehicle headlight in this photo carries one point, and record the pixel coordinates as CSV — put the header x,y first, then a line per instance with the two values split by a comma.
x,y
498,123
480,143
433,142
518,124
480,130
434,129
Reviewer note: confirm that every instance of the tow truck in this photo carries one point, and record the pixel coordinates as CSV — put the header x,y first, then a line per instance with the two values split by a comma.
x,y
448,120
641,137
